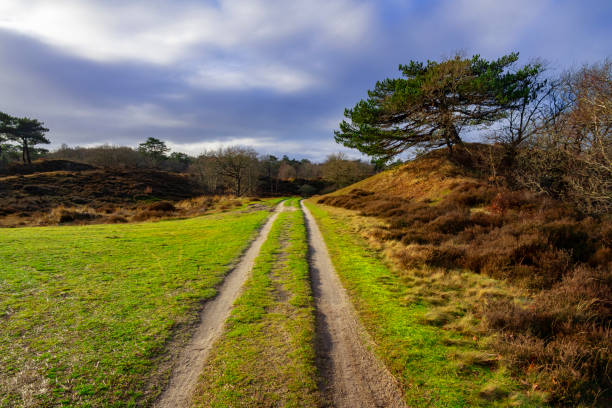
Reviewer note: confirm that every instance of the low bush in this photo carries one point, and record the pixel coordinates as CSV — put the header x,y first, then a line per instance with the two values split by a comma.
x,y
562,340
162,206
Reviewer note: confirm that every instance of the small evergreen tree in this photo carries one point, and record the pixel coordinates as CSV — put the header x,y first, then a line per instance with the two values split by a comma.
x,y
155,148
26,132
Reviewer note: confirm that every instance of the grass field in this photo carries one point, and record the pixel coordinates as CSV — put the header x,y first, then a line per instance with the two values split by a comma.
x,y
87,313
436,366
266,357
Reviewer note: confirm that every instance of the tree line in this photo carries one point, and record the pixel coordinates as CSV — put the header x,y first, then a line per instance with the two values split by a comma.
x,y
238,170
549,133
247,172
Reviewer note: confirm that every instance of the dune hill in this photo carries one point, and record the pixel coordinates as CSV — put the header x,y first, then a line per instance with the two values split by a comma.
x,y
443,215
425,179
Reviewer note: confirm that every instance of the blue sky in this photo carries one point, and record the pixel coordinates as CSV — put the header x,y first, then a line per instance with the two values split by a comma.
x,y
273,74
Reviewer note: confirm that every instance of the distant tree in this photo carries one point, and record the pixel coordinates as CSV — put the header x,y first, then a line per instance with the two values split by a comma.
x,y
308,170
9,153
104,156
240,165
26,132
177,161
270,166
204,168
292,162
180,157
342,172
286,171
7,126
434,103
155,148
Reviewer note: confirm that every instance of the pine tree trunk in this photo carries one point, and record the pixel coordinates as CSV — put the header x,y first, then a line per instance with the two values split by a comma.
x,y
27,151
24,146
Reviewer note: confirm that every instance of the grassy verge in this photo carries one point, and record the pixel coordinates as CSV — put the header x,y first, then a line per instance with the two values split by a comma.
x,y
86,313
437,365
266,357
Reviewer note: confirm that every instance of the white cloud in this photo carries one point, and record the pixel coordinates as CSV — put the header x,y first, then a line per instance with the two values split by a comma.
x,y
163,32
269,144
149,115
131,116
244,77
196,148
330,123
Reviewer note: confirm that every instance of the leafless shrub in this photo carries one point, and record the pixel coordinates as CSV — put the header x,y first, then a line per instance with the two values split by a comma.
x,y
571,157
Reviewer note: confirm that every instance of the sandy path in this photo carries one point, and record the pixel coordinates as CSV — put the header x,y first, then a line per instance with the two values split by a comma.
x,y
212,318
353,376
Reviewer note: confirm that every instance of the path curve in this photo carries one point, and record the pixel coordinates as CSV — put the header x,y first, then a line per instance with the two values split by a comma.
x,y
353,376
191,361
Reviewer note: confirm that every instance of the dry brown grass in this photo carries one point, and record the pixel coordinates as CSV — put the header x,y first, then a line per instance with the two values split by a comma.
x,y
88,196
552,323
109,214
24,199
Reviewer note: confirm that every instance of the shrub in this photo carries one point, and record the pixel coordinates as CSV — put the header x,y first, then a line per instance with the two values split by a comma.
x,y
562,339
162,206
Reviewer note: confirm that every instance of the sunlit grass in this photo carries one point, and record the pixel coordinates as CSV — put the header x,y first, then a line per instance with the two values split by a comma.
x,y
86,312
266,356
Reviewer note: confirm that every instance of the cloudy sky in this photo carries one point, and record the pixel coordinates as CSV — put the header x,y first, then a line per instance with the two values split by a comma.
x,y
273,74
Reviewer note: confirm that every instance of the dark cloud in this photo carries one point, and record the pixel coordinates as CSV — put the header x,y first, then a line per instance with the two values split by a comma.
x,y
277,81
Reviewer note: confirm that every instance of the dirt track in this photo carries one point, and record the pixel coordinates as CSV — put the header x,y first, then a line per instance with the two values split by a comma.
x,y
353,377
191,362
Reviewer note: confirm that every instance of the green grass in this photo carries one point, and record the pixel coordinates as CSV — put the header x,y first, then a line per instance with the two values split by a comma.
x,y
86,313
292,202
266,357
437,367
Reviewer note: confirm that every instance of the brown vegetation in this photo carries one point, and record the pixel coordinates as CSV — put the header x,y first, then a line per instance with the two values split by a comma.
x,y
41,166
160,210
441,215
97,195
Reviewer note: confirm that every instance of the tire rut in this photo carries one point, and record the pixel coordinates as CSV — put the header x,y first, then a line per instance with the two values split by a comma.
x,y
192,359
352,377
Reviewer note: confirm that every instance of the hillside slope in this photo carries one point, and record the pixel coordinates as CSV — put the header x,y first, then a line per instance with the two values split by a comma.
x,y
43,165
440,216
424,179
30,195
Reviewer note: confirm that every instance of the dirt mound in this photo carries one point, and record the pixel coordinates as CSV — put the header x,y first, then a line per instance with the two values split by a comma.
x,y
43,166
25,195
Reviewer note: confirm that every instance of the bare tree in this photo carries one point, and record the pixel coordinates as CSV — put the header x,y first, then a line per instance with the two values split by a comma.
x,y
286,171
539,106
571,157
341,171
308,170
588,136
240,165
204,168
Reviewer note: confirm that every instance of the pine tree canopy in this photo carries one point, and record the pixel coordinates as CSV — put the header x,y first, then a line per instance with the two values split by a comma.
x,y
434,103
